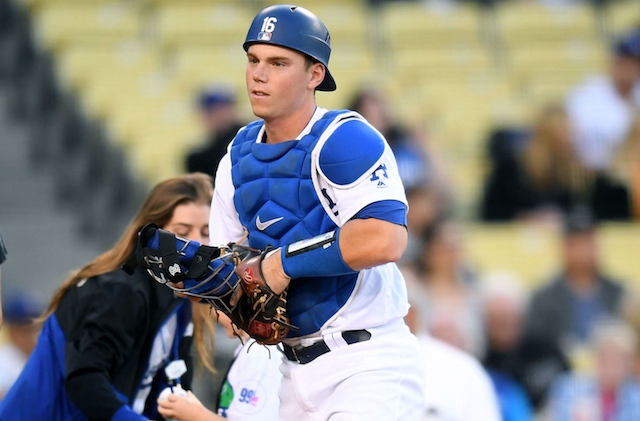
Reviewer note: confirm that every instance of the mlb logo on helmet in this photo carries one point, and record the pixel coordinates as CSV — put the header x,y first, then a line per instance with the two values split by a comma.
x,y
268,26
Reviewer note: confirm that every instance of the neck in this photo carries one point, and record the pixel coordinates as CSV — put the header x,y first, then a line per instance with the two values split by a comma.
x,y
581,281
281,129
624,90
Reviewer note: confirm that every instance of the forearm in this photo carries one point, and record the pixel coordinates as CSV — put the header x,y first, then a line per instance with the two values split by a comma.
x,y
366,243
362,244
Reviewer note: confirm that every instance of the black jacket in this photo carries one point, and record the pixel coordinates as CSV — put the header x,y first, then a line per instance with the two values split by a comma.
x,y
207,158
110,323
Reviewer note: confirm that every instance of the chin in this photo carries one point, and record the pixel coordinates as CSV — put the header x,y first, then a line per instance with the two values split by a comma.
x,y
258,110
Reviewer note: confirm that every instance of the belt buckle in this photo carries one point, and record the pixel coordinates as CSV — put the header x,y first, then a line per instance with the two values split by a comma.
x,y
294,353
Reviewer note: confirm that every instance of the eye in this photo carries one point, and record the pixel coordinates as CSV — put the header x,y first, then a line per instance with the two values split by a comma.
x,y
278,64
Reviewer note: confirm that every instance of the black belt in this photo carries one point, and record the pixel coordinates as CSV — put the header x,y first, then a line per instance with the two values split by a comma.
x,y
306,354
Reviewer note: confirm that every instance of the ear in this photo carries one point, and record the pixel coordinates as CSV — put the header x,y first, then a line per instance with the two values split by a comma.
x,y
316,72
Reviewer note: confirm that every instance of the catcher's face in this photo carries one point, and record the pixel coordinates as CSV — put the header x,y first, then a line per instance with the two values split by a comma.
x,y
191,221
279,81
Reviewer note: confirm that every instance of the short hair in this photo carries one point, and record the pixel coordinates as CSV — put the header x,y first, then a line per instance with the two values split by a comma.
x,y
504,284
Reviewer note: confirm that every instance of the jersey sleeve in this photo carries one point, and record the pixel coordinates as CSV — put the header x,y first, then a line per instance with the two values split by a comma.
x,y
106,339
255,380
355,168
224,221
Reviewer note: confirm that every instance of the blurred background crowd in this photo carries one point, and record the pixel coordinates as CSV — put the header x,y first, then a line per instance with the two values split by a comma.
x,y
515,124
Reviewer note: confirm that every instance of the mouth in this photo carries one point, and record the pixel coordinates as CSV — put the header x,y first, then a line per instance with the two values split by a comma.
x,y
259,94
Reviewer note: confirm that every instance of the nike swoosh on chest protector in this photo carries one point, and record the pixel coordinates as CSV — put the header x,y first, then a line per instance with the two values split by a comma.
x,y
266,224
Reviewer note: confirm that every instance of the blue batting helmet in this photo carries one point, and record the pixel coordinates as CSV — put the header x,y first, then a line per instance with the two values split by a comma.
x,y
296,28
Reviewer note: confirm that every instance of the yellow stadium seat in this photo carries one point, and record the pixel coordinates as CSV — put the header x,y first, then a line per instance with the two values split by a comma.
x,y
441,64
530,251
196,67
619,245
534,251
138,115
346,22
531,22
558,57
353,68
81,65
34,4
413,24
622,16
59,25
189,23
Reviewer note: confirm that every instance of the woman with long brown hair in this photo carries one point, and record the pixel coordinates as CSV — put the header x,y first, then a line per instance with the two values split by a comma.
x,y
539,178
111,342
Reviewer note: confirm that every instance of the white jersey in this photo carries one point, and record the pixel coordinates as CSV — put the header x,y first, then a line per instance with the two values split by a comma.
x,y
457,387
600,120
380,294
12,361
250,391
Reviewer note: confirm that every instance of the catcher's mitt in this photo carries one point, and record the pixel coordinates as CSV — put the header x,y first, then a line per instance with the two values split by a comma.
x,y
210,274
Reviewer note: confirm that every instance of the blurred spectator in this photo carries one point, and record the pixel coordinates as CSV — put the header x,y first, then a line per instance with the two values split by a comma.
x,y
565,310
541,178
457,387
532,362
424,210
514,402
602,108
19,311
631,315
219,114
534,180
3,257
448,288
626,166
609,394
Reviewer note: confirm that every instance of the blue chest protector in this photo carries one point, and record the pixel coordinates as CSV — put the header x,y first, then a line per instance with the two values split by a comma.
x,y
278,204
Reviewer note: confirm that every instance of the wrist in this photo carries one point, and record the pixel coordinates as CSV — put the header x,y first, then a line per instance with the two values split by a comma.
x,y
319,256
273,272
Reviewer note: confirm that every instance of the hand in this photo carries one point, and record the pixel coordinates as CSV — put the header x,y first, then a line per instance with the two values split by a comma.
x,y
264,271
184,409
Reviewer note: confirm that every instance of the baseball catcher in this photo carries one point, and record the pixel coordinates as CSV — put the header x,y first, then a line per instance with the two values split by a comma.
x,y
227,277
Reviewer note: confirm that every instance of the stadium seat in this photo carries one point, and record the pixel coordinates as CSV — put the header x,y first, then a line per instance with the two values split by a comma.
x,y
199,65
62,24
416,25
622,16
531,22
81,65
533,251
347,22
199,23
559,57
441,65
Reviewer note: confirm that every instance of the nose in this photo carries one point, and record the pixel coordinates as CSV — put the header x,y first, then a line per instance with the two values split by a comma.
x,y
259,73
